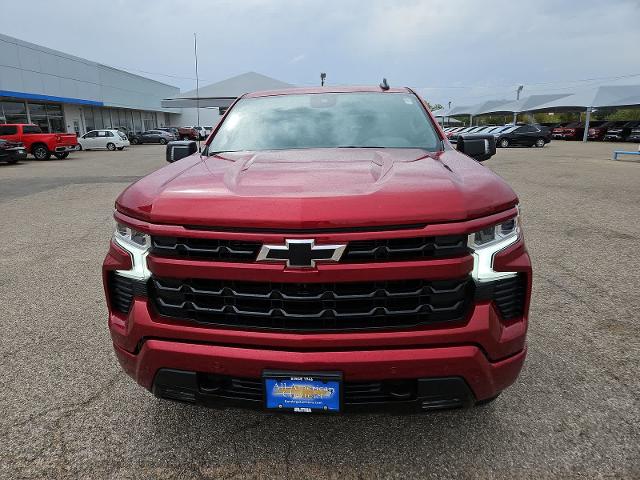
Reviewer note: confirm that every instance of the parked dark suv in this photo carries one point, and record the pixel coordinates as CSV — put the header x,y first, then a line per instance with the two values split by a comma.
x,y
524,135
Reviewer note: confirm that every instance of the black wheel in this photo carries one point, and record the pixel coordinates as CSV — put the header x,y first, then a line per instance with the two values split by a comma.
x,y
120,148
504,143
61,155
79,147
134,141
163,141
41,152
539,143
13,161
111,146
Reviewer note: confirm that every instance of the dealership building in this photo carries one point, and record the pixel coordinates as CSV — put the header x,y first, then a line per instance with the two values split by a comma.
x,y
63,93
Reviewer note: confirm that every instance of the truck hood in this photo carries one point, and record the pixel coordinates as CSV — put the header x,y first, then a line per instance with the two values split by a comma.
x,y
318,188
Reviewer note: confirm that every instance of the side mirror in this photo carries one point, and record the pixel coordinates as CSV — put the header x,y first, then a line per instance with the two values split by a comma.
x,y
180,149
478,147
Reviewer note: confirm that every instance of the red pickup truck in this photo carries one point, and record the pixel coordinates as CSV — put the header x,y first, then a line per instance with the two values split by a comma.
x,y
40,145
341,256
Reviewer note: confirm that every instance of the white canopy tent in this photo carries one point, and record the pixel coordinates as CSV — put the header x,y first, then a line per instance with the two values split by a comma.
x,y
471,110
595,97
525,104
222,94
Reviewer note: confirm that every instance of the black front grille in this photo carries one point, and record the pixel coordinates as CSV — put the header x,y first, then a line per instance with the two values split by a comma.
x,y
509,296
354,393
399,249
314,306
395,249
206,249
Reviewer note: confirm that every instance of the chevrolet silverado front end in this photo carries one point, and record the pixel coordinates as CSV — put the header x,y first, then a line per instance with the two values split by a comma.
x,y
328,251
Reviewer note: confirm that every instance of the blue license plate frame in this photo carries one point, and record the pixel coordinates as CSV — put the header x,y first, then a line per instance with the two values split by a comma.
x,y
303,392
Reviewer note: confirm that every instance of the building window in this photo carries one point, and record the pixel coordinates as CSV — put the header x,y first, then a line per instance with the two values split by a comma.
x,y
137,122
88,119
57,124
115,118
149,120
106,118
14,112
97,118
47,116
125,117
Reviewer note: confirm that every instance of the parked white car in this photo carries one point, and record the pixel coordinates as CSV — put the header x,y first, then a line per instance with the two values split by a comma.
x,y
99,139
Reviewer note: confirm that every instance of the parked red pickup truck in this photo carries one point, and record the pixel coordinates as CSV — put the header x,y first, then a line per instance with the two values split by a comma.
x,y
341,256
40,145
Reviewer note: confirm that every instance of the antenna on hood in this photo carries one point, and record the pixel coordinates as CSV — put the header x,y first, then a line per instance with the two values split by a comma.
x,y
384,85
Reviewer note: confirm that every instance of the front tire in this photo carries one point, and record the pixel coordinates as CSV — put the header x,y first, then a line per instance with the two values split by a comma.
x,y
504,143
61,156
134,141
41,152
111,147
539,143
163,141
79,147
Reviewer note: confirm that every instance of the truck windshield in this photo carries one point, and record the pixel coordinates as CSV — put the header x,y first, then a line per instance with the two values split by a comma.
x,y
331,120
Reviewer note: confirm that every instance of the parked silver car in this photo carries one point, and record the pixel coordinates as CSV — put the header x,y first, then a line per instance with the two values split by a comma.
x,y
153,136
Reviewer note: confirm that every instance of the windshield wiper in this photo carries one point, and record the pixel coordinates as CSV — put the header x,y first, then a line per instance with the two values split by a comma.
x,y
222,151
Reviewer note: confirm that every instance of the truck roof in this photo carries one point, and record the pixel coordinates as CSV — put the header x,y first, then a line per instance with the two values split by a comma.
x,y
329,89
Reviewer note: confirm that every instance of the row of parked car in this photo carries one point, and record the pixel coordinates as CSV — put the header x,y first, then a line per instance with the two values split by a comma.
x,y
519,134
19,140
170,133
120,137
614,131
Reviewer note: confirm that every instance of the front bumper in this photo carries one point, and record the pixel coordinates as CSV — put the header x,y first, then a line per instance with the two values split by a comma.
x,y
484,379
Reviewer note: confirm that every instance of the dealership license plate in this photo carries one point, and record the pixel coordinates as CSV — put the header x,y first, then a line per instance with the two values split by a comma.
x,y
303,392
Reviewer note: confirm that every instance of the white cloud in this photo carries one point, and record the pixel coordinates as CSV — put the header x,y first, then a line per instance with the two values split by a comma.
x,y
298,58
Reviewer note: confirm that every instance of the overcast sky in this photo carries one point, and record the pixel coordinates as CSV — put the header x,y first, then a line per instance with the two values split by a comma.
x,y
463,51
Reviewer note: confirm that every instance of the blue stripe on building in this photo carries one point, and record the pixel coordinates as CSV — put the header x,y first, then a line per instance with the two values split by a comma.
x,y
49,98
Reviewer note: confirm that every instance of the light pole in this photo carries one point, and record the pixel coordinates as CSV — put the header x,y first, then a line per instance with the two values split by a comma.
x,y
515,114
587,120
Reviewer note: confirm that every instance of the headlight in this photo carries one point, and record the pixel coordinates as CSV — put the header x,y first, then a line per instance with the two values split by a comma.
x,y
487,242
128,235
137,244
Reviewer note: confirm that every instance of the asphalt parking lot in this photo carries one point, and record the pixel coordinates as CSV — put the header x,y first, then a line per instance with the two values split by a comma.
x,y
70,412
